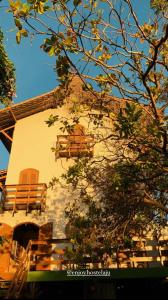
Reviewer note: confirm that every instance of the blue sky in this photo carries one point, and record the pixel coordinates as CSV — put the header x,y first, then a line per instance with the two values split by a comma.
x,y
34,68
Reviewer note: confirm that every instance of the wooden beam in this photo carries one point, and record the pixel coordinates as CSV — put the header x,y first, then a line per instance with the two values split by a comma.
x,y
12,113
7,128
6,142
2,177
6,135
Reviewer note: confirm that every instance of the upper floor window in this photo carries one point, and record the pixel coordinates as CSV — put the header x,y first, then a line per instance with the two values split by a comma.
x,y
29,176
75,144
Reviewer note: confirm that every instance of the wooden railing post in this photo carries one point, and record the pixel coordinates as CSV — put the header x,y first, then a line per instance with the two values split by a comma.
x,y
69,146
22,196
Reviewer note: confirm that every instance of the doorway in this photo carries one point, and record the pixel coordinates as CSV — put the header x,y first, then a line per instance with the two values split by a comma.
x,y
23,233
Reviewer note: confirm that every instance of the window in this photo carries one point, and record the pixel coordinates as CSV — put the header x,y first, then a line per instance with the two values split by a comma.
x,y
29,176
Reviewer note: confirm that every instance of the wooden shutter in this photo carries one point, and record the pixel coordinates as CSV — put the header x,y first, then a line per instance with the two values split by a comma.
x,y
77,137
79,129
29,176
34,177
5,231
23,179
45,233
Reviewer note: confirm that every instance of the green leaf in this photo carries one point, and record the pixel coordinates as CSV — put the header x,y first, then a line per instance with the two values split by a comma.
x,y
62,67
18,23
51,120
31,1
77,2
24,11
7,75
51,52
24,32
18,37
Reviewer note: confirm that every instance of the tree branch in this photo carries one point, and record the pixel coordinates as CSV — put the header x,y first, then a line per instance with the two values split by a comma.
x,y
160,43
152,202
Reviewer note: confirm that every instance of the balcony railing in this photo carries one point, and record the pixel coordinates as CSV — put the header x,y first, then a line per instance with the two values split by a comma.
x,y
55,258
51,255
24,197
3,174
74,145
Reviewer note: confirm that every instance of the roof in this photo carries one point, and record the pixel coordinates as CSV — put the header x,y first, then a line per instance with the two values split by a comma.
x,y
9,115
74,87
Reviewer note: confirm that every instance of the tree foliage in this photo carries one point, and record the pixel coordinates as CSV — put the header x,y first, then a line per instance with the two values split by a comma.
x,y
124,194
107,44
105,36
7,76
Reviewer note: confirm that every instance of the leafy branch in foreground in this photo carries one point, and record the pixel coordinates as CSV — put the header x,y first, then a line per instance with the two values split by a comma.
x,y
121,199
105,43
7,76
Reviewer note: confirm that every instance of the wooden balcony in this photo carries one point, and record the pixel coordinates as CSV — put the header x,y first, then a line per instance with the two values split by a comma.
x,y
3,174
52,254
24,197
74,145
48,256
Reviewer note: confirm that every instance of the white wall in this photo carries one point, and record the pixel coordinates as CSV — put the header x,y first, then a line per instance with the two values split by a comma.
x,y
31,148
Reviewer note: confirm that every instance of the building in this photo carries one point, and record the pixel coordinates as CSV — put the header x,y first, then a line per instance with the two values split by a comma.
x,y
31,210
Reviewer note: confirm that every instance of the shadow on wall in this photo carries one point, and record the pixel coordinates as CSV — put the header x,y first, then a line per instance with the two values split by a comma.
x,y
6,232
54,211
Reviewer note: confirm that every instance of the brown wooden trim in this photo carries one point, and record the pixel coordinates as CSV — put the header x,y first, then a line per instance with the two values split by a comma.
x,y
7,128
24,197
12,113
6,135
